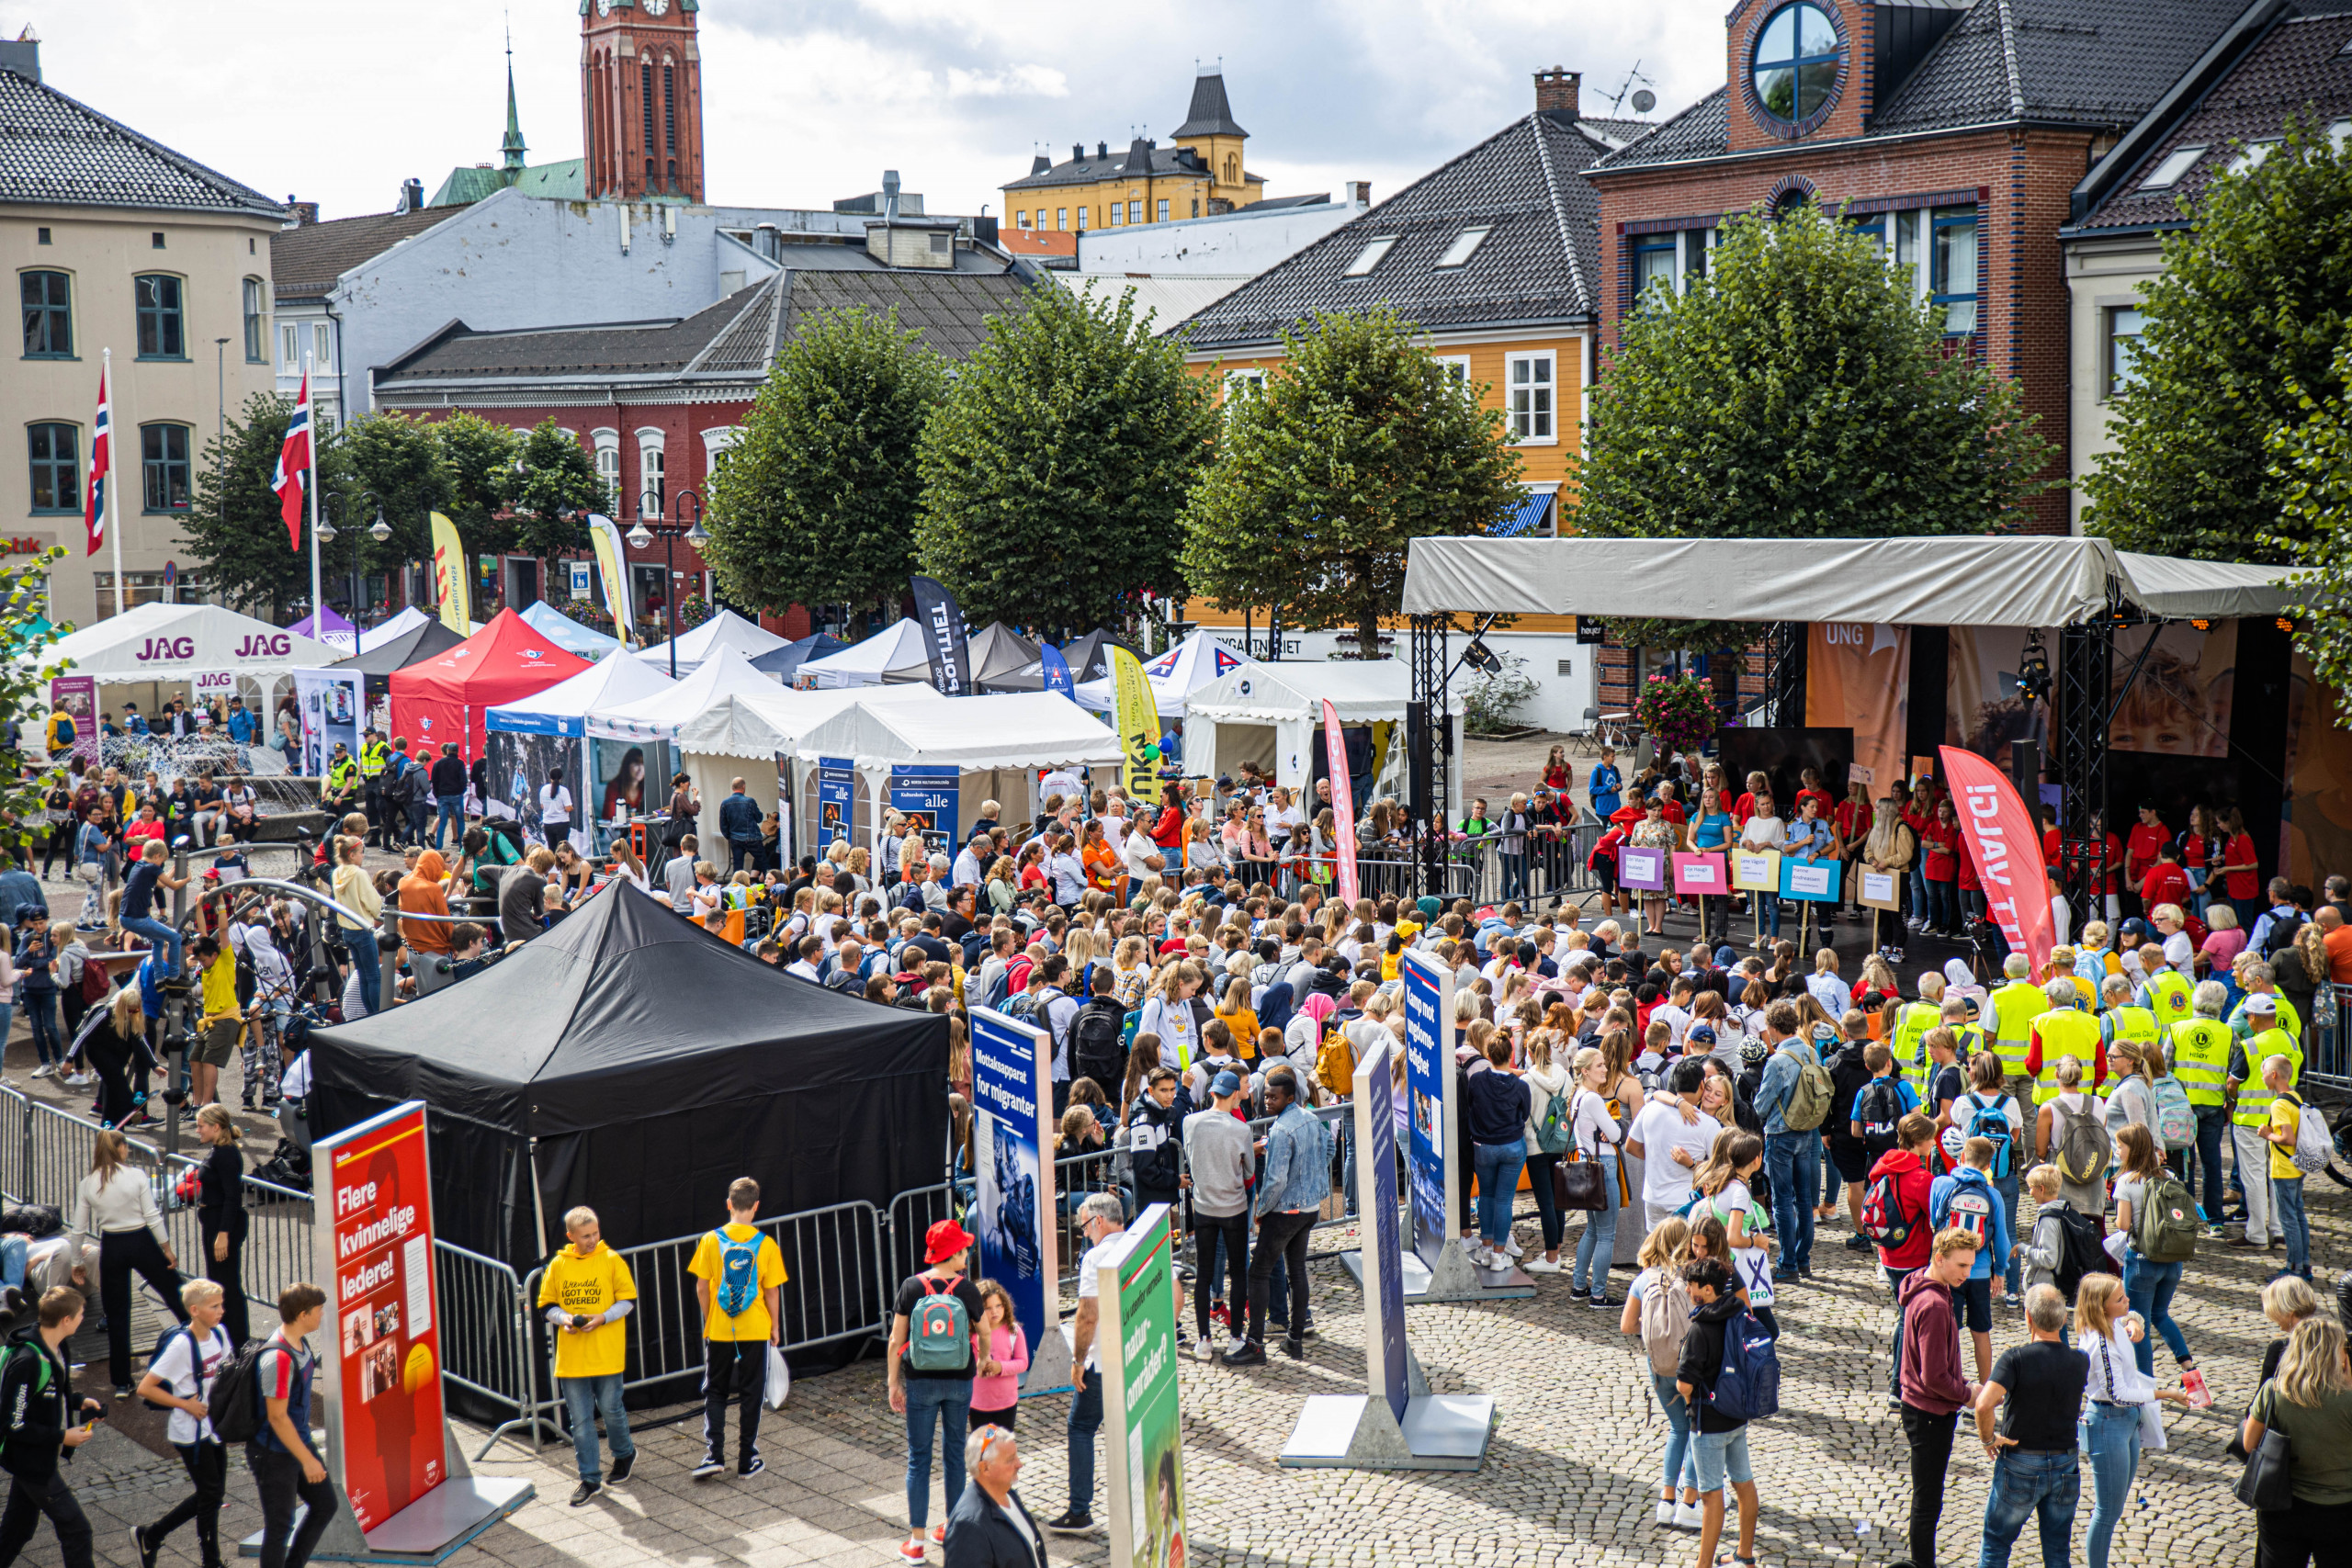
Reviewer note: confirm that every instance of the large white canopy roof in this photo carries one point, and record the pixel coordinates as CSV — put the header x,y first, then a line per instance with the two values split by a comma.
x,y
726,629
616,680
1173,677
178,642
761,724
895,651
1011,730
657,717
1973,580
1361,692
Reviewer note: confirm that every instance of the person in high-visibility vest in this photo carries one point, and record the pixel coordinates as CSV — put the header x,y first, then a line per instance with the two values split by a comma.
x,y
2121,1021
2015,1006
2253,1114
2065,1028
2200,1060
375,757
2258,977
1912,1020
343,780
2061,965
2167,992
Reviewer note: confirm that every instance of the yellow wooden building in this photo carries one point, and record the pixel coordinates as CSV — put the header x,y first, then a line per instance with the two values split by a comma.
x,y
1199,175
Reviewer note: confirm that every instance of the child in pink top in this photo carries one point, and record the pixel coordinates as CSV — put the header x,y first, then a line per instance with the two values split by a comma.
x,y
1001,1353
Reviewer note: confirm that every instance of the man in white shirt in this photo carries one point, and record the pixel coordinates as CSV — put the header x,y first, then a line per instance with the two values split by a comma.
x,y
968,871
1671,1137
1676,1012
554,809
1098,1221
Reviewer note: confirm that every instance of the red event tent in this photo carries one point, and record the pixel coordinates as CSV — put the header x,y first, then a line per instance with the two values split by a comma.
x,y
444,698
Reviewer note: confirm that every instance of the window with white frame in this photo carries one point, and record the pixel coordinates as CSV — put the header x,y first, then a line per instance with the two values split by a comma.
x,y
289,348
1247,382
653,494
1530,381
607,445
322,345
1457,366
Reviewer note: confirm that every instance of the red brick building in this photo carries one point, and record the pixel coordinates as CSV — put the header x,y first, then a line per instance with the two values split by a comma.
x,y
1952,131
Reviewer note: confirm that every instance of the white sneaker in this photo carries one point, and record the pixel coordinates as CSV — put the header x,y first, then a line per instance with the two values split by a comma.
x,y
1540,1265
1665,1512
1689,1517
44,1071
1511,1245
78,1080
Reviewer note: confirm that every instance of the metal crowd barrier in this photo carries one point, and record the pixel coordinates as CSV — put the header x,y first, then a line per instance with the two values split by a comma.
x,y
2327,1064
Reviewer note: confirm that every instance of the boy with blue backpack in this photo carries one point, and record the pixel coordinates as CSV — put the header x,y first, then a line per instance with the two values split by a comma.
x,y
739,1273
1967,1200
1730,1375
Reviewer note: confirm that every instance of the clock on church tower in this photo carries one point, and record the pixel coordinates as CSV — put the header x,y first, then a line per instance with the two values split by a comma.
x,y
641,100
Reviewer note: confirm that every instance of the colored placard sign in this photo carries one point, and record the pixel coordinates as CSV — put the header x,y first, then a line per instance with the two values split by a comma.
x,y
836,798
1428,1080
1145,1450
373,1187
1643,870
1703,871
1382,1249
1878,889
76,696
925,797
1813,881
1014,1211
1756,871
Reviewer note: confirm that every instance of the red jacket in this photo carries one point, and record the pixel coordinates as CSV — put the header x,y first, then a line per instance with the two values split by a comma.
x,y
1930,1377
1168,831
1913,1184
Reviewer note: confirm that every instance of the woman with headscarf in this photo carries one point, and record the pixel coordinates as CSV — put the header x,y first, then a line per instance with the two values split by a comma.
x,y
1959,983
424,891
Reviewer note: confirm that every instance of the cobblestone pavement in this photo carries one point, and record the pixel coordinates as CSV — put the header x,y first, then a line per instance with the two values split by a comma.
x,y
1569,1479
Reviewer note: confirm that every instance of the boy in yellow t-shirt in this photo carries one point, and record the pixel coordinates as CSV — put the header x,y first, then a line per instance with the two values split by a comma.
x,y
585,1291
736,1274
223,1022
2286,1176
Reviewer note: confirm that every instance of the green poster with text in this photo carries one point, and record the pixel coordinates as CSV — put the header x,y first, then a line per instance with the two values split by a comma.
x,y
1145,1449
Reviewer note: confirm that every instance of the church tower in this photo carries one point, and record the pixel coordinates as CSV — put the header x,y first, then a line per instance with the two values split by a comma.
x,y
641,100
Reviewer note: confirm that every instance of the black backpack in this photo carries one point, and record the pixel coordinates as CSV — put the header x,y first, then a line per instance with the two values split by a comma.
x,y
2281,935
1878,1108
2080,1252
235,1409
1095,1039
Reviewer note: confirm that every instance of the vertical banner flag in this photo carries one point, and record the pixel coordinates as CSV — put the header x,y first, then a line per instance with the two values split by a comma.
x,y
1138,723
1429,1082
605,535
373,1185
1343,805
2008,852
449,583
101,470
926,796
942,620
294,465
1013,1092
1138,1352
1057,671
1382,1251
836,800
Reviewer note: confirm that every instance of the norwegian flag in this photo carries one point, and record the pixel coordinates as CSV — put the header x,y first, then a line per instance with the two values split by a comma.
x,y
101,470
294,465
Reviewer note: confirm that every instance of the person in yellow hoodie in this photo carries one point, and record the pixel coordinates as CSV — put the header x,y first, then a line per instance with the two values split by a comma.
x,y
585,1291
223,1022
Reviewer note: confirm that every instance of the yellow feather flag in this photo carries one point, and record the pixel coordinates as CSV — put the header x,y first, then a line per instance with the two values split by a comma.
x,y
449,578
1139,718
606,537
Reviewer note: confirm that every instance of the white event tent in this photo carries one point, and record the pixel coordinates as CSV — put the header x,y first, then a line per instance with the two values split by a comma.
x,y
896,653
569,635
1268,714
724,630
767,726
1173,677
725,674
169,645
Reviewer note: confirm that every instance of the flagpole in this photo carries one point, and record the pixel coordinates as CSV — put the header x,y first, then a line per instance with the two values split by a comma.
x,y
318,622
114,502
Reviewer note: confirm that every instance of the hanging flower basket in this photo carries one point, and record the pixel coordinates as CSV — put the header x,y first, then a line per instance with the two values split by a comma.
x,y
1678,715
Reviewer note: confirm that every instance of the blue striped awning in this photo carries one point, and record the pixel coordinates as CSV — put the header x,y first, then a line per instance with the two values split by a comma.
x,y
1531,517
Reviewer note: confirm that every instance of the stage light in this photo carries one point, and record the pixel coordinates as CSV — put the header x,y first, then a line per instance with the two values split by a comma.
x,y
2033,671
1481,658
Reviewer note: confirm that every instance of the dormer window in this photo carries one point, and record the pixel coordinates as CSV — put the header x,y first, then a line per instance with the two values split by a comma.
x,y
1795,65
2253,155
1369,257
2173,169
1464,246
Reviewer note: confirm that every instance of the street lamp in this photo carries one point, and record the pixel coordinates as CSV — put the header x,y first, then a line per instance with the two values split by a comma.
x,y
680,524
334,505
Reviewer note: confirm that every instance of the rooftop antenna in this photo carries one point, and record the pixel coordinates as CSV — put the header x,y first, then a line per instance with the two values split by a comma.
x,y
1644,100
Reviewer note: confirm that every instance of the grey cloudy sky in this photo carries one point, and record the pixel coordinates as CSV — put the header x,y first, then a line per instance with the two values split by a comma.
x,y
337,101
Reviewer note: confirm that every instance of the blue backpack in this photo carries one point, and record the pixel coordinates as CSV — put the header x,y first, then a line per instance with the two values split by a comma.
x,y
1991,1122
739,1273
1748,1387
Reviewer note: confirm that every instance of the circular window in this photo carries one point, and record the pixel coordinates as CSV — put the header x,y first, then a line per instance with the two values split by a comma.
x,y
1795,68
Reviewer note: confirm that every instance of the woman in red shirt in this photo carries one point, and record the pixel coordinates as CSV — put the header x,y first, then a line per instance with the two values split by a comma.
x,y
1852,820
1745,806
1939,840
1812,788
2241,869
1557,775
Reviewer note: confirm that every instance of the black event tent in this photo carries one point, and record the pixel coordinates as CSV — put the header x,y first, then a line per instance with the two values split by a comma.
x,y
1089,657
379,663
641,1064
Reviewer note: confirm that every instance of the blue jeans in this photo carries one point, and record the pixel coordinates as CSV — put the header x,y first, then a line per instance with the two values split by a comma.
x,y
1498,1166
1085,1420
13,1251
2115,1460
158,935
583,1398
1943,906
1793,1160
41,1012
1515,876
2149,1286
1681,1465
448,808
2006,1186
947,1401
365,964
1597,1247
2213,1125
2042,1487
1767,913
2287,1207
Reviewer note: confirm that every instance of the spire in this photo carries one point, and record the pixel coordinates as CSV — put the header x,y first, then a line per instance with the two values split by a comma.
x,y
512,145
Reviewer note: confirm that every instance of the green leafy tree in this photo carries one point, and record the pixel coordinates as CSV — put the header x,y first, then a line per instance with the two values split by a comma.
x,y
25,674
549,495
233,528
2244,324
1055,469
2311,469
1361,442
1802,391
397,460
479,456
815,502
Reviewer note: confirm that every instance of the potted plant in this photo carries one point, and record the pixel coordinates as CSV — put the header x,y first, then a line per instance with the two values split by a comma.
x,y
1677,713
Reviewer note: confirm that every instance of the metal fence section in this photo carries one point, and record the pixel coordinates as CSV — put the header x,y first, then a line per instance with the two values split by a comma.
x,y
2327,1062
487,1345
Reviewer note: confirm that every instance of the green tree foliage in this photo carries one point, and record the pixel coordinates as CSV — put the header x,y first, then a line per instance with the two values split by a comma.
x,y
815,502
2244,322
479,456
232,526
2311,469
24,691
1359,443
1056,467
552,491
397,460
1802,391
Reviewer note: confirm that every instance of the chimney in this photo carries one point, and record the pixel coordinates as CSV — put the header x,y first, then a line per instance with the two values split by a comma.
x,y
770,241
1039,165
304,213
22,55
1102,149
889,194
411,196
1359,192
1078,152
1556,93
1139,155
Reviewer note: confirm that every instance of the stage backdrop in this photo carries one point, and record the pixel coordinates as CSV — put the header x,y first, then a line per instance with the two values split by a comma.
x,y
1859,675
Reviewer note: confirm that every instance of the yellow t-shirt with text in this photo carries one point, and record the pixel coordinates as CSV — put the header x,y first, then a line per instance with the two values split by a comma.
x,y
585,1287
708,1263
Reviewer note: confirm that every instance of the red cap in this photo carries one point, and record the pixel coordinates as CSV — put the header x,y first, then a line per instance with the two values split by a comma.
x,y
944,1241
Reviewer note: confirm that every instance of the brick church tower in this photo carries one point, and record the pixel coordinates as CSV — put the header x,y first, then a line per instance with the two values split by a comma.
x,y
641,100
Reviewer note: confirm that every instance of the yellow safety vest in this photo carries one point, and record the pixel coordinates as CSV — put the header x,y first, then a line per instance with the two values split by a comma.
x,y
2065,1032
2254,1095
339,773
2016,1006
2169,996
373,757
2136,1024
2200,1058
1969,1038
1911,1028
2288,1019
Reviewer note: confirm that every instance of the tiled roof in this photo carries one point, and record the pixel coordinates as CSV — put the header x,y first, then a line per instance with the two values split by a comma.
x,y
951,308
56,150
1540,262
1210,114
2297,68
305,262
2092,62
1165,162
